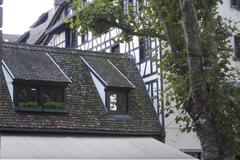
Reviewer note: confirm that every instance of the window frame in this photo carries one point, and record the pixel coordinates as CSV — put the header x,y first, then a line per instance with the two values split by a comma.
x,y
115,48
84,38
59,39
121,94
60,87
236,46
237,5
144,49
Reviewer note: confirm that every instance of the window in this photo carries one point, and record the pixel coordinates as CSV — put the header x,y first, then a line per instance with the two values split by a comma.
x,y
68,11
237,46
38,97
237,158
84,38
140,5
235,4
113,102
115,49
126,4
73,39
117,102
144,47
59,40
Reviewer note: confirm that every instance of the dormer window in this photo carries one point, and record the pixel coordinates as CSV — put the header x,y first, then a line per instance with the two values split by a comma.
x,y
113,87
35,82
38,97
117,102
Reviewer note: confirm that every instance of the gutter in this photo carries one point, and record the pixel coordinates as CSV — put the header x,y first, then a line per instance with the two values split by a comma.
x,y
158,135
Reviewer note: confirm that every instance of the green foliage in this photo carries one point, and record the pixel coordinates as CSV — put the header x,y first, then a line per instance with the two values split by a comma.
x,y
162,19
30,104
53,105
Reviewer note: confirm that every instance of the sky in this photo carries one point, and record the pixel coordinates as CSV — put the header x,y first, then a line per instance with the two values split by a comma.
x,y
19,15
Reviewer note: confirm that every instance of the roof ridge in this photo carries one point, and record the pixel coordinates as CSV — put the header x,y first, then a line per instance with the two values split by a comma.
x,y
56,50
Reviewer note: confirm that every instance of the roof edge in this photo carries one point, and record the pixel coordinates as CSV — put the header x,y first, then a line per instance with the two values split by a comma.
x,y
88,132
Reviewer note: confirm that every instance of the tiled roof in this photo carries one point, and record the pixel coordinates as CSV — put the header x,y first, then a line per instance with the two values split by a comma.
x,y
85,110
36,67
104,68
38,28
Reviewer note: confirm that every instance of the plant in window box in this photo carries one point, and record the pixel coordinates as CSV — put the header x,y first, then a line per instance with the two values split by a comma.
x,y
53,105
30,104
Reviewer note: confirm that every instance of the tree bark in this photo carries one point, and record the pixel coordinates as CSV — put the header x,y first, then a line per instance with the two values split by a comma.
x,y
198,106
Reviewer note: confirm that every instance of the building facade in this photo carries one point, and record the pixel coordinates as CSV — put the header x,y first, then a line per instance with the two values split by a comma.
x,y
145,52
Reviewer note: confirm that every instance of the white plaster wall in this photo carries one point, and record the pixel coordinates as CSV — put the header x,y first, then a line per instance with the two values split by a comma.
x,y
182,141
100,88
9,81
226,11
178,139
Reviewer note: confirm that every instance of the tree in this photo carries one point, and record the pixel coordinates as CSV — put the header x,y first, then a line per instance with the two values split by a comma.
x,y
197,66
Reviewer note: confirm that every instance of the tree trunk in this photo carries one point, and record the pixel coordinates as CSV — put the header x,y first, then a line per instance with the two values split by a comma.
x,y
197,106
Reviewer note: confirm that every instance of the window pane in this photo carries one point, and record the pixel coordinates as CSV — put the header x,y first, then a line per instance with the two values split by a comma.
x,y
26,97
142,49
115,49
237,46
39,97
234,3
32,94
21,95
122,102
113,102
51,94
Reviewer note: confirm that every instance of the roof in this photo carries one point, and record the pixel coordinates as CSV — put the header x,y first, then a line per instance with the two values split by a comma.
x,y
37,29
105,70
33,67
10,37
85,110
86,147
58,2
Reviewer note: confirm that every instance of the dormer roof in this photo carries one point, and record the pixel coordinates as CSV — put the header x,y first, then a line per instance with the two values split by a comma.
x,y
107,72
35,66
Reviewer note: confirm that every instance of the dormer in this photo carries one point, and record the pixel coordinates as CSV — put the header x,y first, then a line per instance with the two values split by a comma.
x,y
35,82
112,85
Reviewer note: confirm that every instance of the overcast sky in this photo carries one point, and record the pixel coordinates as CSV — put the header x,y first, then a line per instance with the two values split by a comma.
x,y
19,15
